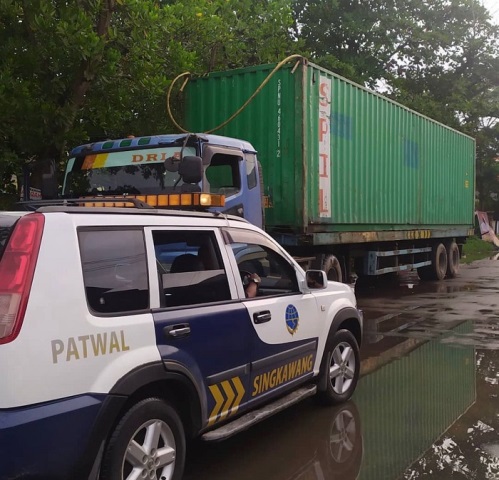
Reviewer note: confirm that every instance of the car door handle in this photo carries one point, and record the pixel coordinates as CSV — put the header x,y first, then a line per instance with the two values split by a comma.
x,y
176,331
262,317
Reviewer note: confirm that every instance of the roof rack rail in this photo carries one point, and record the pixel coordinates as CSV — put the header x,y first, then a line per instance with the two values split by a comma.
x,y
32,205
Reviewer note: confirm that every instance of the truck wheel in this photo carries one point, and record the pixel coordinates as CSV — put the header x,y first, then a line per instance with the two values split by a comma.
x,y
452,259
332,267
340,368
438,268
148,442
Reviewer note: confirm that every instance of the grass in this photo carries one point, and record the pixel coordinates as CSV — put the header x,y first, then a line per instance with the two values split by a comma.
x,y
475,249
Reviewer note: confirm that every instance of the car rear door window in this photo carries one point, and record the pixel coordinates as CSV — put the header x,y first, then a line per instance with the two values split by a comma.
x,y
114,270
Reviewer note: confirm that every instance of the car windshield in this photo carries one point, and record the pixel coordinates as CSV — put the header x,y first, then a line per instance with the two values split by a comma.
x,y
135,172
7,222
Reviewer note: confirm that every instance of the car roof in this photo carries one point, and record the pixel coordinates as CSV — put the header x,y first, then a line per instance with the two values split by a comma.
x,y
138,211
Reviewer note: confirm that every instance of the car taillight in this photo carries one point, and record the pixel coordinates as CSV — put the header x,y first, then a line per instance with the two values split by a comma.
x,y
17,266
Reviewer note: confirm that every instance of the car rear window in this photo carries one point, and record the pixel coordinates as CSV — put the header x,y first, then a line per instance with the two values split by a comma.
x,y
6,226
114,270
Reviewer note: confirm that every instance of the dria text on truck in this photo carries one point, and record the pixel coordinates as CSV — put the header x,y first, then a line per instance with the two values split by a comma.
x,y
346,180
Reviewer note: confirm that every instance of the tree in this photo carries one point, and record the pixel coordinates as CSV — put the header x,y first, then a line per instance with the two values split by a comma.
x,y
450,72
71,72
53,51
353,38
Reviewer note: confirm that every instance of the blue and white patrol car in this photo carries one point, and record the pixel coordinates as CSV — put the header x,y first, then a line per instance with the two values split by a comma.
x,y
125,332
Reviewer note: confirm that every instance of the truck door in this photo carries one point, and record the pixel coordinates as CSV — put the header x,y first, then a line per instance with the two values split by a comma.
x,y
233,173
200,330
284,321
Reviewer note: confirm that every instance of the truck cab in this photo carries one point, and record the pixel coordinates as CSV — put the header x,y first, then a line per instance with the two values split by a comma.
x,y
149,166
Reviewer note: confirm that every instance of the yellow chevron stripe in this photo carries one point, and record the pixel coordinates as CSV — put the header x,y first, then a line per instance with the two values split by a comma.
x,y
230,398
240,394
219,400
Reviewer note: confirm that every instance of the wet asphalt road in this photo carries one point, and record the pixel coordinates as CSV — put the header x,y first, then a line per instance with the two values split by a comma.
x,y
426,407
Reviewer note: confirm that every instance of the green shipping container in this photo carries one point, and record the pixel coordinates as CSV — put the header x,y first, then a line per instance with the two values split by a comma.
x,y
337,157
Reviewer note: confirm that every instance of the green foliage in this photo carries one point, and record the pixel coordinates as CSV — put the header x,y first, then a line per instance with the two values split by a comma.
x,y
476,249
72,72
90,69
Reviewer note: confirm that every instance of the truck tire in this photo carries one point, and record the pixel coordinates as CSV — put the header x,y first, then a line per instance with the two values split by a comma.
x,y
149,441
438,268
452,259
332,267
340,368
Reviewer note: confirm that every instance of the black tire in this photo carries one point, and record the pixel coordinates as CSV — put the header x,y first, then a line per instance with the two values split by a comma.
x,y
438,268
164,454
340,369
332,267
452,259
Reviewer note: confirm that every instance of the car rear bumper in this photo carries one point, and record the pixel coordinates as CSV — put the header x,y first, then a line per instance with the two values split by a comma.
x,y
47,441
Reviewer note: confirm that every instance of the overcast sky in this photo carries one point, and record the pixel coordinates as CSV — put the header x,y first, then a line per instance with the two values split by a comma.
x,y
493,7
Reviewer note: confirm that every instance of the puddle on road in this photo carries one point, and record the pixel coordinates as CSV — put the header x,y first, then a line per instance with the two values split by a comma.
x,y
429,414
425,407
408,283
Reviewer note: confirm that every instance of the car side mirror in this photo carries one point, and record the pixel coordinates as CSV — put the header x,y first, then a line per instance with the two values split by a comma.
x,y
316,279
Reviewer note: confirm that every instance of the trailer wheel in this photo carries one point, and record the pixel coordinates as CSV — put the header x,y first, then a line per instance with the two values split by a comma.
x,y
452,259
438,268
332,267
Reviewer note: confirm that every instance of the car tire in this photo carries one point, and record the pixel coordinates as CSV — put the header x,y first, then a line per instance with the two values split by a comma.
x,y
340,369
149,437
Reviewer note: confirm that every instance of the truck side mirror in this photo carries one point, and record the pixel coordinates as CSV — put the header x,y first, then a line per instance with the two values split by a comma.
x,y
191,169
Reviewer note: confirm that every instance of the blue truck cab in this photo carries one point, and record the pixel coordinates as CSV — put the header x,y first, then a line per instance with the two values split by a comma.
x,y
149,166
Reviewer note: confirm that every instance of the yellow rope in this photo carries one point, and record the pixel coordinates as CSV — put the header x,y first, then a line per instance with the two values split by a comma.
x,y
235,114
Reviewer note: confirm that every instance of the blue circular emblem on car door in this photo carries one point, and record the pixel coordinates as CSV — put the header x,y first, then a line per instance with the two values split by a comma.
x,y
292,319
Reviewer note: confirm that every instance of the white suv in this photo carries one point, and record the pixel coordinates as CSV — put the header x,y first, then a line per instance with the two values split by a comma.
x,y
126,331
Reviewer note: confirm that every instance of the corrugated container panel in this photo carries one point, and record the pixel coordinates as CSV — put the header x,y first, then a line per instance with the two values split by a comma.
x,y
338,157
271,123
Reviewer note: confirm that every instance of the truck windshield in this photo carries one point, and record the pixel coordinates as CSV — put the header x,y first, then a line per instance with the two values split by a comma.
x,y
134,172
7,222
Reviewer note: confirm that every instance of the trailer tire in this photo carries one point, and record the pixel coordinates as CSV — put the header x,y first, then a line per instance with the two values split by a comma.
x,y
438,268
332,267
452,259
